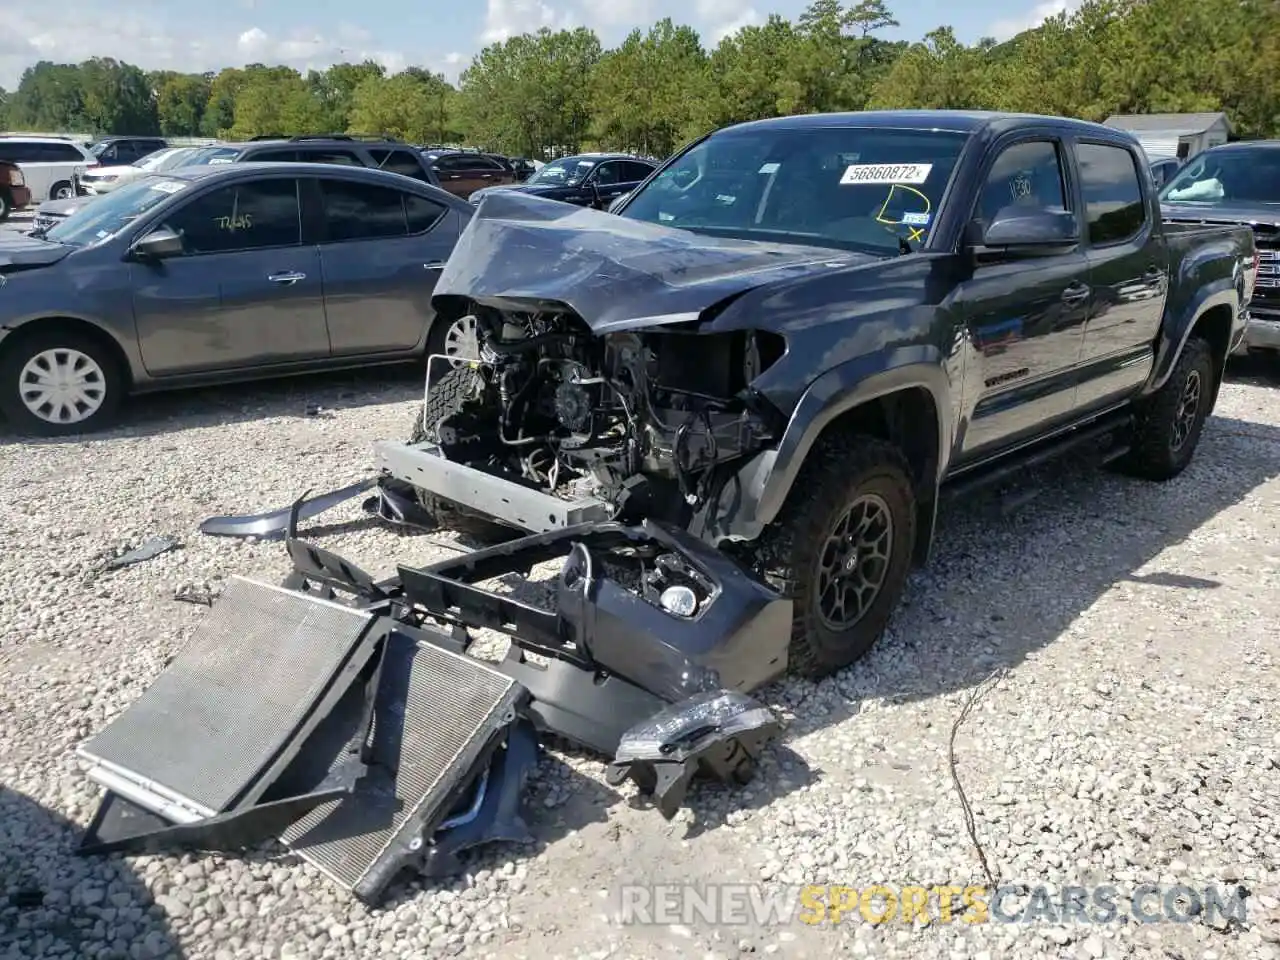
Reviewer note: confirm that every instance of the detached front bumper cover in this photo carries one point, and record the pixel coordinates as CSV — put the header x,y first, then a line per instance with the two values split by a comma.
x,y
343,714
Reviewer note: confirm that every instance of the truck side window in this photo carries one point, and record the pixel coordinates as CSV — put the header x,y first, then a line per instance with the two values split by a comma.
x,y
1112,193
1027,174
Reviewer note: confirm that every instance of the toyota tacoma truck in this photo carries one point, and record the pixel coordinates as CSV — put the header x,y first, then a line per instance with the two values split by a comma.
x,y
795,333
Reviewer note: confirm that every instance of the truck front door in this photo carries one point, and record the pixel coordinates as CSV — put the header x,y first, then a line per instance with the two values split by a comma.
x,y
1025,317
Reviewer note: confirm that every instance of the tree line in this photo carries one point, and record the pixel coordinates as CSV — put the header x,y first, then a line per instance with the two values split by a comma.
x,y
556,91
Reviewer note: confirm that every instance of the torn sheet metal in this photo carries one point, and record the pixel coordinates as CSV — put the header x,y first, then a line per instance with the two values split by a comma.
x,y
720,733
148,550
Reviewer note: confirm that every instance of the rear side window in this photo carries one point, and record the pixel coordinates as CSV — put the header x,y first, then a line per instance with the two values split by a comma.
x,y
423,213
633,172
1112,193
361,211
59,153
399,161
275,156
17,152
343,157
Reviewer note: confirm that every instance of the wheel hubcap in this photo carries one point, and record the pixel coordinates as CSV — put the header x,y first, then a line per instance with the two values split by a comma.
x,y
462,340
1184,420
62,386
854,562
63,193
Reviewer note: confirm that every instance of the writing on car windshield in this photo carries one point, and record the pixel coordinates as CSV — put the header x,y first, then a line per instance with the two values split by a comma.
x,y
108,215
1228,176
855,188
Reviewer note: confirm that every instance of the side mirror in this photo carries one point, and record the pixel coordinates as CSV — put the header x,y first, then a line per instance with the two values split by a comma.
x,y
618,202
1027,232
159,244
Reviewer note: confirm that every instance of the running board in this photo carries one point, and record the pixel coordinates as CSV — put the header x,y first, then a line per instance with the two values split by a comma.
x,y
983,475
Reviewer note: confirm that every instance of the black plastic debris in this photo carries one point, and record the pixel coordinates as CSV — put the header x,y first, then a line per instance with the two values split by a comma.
x,y
274,523
148,550
719,734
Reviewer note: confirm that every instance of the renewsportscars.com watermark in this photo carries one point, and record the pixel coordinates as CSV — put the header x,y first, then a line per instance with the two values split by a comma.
x,y
750,904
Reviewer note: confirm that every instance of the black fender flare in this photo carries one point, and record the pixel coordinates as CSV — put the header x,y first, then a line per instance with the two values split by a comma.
x,y
1177,329
751,498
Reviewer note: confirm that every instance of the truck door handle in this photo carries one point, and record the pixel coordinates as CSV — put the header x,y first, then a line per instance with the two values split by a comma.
x,y
1076,292
286,278
434,265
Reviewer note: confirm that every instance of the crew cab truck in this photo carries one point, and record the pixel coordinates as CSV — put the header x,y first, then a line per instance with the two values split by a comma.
x,y
795,332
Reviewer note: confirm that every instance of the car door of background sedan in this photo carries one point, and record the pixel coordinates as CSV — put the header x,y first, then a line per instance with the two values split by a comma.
x,y
246,293
381,253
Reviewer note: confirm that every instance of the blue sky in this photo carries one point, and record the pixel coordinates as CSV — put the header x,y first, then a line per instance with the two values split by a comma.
x,y
438,34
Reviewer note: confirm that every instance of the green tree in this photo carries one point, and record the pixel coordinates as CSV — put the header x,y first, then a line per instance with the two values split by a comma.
x,y
276,103
405,105
181,99
748,70
652,92
530,93
117,98
50,96
335,89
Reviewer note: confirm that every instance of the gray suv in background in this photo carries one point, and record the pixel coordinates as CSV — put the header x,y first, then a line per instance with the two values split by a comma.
x,y
216,273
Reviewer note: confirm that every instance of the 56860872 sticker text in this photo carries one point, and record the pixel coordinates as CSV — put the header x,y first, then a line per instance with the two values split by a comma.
x,y
884,173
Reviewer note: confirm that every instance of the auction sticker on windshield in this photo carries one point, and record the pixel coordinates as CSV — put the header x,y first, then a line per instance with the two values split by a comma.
x,y
886,173
168,186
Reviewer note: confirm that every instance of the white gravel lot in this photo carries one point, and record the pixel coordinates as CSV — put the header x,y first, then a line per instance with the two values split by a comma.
x,y
1134,737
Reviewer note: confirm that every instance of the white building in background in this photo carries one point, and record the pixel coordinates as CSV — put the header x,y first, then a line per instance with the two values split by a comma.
x,y
1180,135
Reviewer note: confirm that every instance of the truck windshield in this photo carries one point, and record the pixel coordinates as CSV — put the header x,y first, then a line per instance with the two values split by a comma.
x,y
1237,175
107,215
853,188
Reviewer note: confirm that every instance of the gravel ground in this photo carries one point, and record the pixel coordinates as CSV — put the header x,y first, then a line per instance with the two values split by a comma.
x,y
1132,736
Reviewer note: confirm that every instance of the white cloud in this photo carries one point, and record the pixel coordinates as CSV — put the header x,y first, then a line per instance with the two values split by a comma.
x,y
62,35
1012,26
720,18
504,19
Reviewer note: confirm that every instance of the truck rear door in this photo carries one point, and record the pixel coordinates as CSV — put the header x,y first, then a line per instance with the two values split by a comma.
x,y
1128,271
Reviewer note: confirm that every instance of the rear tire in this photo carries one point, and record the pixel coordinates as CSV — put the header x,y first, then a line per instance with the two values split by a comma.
x,y
841,550
62,190
1169,422
83,384
6,206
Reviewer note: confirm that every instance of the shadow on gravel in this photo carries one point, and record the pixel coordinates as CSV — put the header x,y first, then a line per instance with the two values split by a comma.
x,y
304,397
54,903
1006,584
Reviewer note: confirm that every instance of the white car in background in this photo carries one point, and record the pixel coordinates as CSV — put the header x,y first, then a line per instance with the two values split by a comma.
x,y
102,180
50,165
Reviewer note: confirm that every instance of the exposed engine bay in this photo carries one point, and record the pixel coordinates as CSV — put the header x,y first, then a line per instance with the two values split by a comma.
x,y
630,417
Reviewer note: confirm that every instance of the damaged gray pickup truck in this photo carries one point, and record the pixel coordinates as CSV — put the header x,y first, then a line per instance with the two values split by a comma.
x,y
729,409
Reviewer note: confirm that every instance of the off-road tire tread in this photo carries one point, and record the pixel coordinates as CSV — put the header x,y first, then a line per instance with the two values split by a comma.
x,y
446,395
836,470
1149,457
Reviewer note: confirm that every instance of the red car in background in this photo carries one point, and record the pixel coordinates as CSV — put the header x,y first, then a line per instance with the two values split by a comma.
x,y
14,194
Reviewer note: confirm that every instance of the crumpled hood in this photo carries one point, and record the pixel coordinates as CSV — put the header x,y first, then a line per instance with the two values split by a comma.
x,y
1243,214
526,252
530,189
19,250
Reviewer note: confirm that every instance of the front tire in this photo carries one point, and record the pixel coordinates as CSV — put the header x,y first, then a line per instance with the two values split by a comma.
x,y
1170,421
62,190
841,550
54,383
